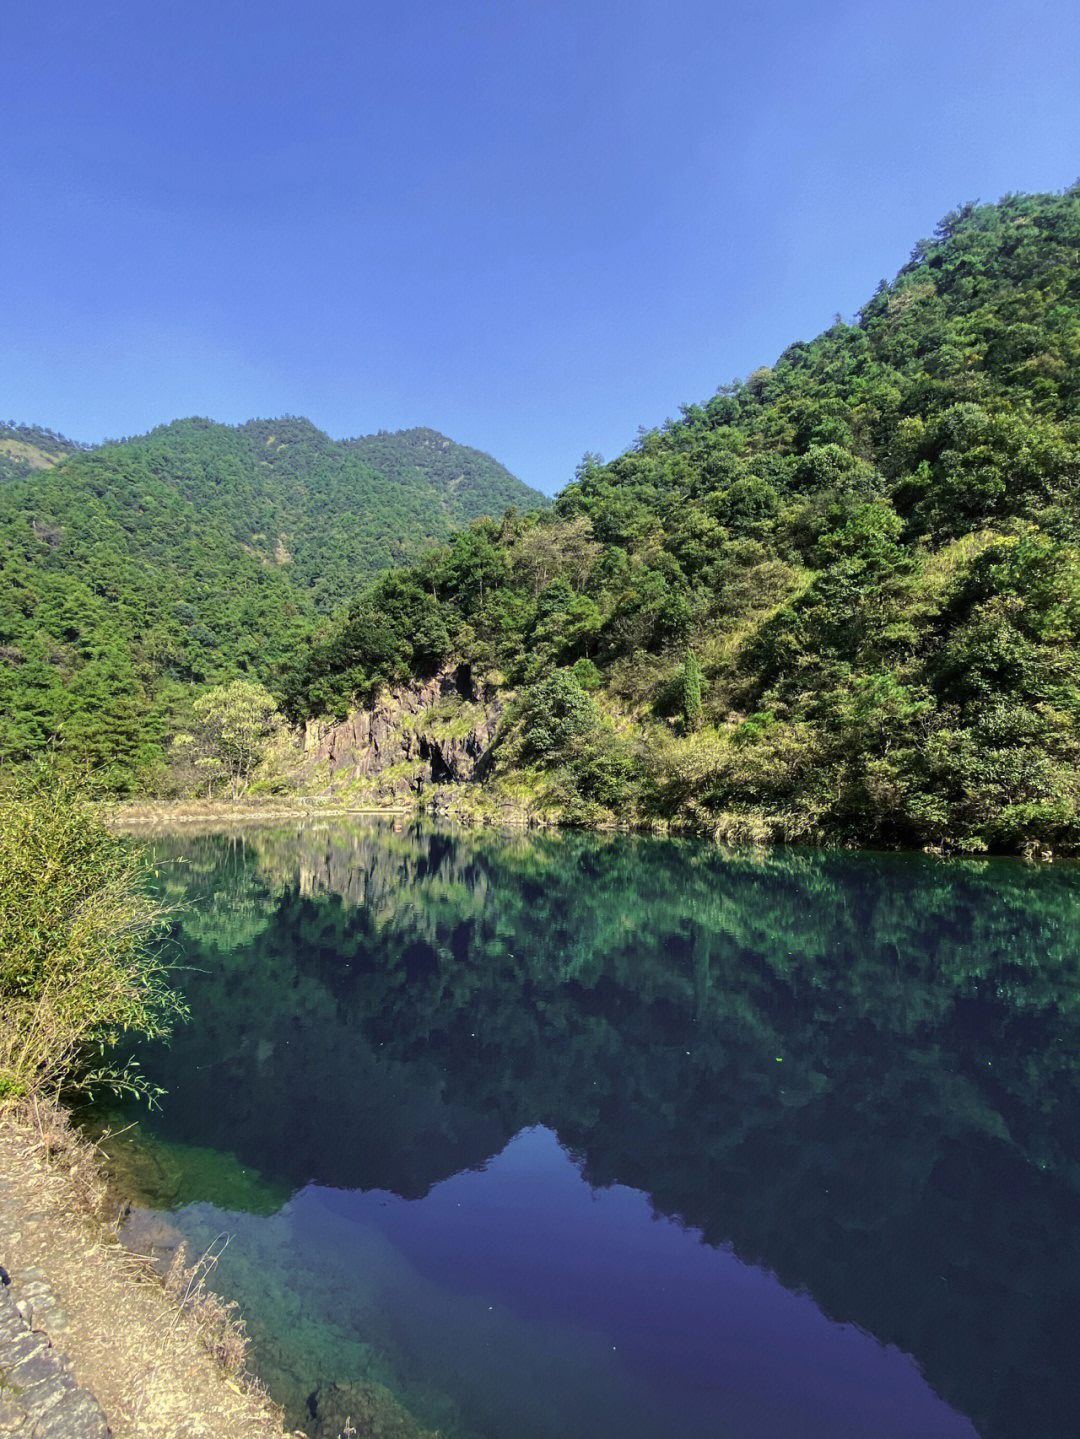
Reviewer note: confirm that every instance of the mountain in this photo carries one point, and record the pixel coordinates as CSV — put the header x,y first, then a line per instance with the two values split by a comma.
x,y
470,482
838,600
334,512
344,510
25,448
135,572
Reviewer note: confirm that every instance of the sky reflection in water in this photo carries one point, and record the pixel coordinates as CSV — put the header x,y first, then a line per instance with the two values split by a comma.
x,y
573,1137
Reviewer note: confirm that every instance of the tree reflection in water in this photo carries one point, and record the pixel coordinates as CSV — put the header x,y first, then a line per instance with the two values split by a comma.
x,y
858,1071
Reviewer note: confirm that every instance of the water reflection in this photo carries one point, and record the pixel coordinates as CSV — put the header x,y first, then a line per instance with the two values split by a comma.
x,y
857,1073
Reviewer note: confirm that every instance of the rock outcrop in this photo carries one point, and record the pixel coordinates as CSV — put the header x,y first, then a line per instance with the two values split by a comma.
x,y
426,732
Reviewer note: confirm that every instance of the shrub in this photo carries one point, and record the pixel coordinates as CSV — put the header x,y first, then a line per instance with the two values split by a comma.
x,y
556,711
587,675
77,963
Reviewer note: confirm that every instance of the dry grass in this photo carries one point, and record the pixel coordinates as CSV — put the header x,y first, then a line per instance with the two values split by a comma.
x,y
218,1326
32,455
61,1148
166,1358
207,813
50,1138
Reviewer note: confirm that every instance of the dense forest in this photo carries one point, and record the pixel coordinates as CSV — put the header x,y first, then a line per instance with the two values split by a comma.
x,y
137,573
838,600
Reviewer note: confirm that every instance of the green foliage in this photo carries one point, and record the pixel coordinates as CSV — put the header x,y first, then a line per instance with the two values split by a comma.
x,y
76,964
233,723
690,681
586,674
136,574
467,482
870,550
555,713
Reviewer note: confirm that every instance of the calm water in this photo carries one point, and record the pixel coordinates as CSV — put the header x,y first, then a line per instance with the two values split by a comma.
x,y
587,1138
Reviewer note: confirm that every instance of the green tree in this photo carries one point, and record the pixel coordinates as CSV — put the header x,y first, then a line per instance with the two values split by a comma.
x,y
555,712
235,720
690,683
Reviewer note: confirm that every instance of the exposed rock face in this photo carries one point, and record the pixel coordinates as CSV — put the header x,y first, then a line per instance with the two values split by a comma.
x,y
432,731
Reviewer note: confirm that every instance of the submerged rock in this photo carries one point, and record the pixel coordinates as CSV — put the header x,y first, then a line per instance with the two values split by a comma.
x,y
361,1411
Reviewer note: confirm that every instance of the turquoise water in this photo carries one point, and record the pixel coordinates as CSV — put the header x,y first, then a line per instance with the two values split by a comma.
x,y
599,1136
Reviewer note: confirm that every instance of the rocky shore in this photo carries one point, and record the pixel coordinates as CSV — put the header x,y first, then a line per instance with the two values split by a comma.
x,y
98,1339
91,1344
39,1397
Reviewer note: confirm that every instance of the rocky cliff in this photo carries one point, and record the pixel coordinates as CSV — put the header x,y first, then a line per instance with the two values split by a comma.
x,y
426,732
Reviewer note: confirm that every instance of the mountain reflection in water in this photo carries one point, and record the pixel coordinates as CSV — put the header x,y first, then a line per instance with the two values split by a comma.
x,y
567,1135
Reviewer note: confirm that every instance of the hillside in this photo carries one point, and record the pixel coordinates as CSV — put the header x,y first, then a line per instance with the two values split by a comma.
x,y
25,448
134,573
838,600
469,482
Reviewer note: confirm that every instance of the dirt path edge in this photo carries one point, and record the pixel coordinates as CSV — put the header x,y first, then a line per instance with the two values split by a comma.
x,y
88,1307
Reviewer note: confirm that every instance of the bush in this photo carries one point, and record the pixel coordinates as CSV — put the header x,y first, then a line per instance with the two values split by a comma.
x,y
609,772
556,711
587,675
77,965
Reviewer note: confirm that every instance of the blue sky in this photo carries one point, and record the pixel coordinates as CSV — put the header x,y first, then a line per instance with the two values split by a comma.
x,y
532,226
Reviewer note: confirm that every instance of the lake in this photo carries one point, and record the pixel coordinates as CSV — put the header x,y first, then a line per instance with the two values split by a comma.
x,y
599,1137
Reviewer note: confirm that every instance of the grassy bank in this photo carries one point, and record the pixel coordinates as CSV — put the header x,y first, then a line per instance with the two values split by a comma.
x,y
79,965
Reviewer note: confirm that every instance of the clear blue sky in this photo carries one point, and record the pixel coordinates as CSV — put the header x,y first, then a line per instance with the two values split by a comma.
x,y
535,226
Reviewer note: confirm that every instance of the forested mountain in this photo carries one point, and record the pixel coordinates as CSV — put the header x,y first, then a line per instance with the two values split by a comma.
x,y
839,599
25,448
470,483
135,572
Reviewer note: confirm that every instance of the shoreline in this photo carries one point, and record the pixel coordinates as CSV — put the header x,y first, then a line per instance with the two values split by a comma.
x,y
148,812
132,1351
139,815
141,1355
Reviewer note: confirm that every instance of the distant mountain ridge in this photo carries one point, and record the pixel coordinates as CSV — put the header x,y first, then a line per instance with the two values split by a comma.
x,y
468,478
198,553
337,510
